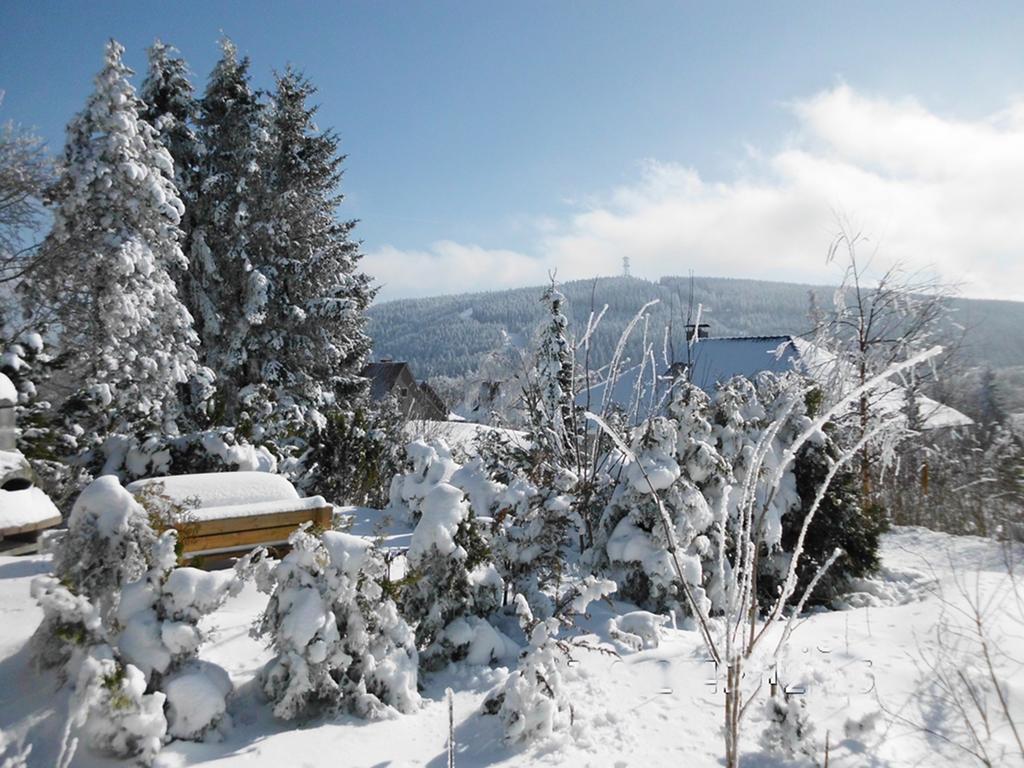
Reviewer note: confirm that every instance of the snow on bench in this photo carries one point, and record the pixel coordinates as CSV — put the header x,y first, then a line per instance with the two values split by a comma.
x,y
24,508
232,511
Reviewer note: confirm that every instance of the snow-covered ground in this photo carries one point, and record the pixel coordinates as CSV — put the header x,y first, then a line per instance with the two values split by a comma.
x,y
654,707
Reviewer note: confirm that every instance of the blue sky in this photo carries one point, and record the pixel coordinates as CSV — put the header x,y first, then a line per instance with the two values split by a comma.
x,y
489,143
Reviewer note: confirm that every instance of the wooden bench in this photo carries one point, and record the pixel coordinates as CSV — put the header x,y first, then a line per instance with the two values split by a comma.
x,y
226,512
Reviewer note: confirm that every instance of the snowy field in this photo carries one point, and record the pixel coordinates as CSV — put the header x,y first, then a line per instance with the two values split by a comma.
x,y
659,706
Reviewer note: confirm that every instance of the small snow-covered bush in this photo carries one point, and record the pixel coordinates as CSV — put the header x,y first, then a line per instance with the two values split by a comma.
x,y
110,704
113,709
339,642
108,544
196,700
534,704
637,629
789,732
158,616
530,539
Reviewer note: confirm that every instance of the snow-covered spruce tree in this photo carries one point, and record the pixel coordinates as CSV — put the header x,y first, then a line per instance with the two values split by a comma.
x,y
157,632
111,707
744,412
535,513
554,374
107,265
339,642
752,423
632,532
109,701
108,544
230,291
169,105
841,522
534,704
530,535
450,586
310,345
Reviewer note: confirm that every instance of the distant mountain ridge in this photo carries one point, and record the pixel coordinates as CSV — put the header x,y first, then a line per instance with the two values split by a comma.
x,y
448,335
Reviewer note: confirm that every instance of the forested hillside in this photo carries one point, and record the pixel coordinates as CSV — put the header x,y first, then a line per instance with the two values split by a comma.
x,y
447,335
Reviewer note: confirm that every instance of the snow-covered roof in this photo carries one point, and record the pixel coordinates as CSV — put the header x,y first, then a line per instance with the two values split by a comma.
x,y
8,394
12,461
26,509
715,360
719,359
824,365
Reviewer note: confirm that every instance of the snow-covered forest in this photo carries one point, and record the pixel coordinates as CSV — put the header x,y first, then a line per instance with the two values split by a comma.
x,y
594,559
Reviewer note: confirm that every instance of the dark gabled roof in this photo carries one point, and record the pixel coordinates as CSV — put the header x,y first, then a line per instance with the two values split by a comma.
x,y
383,376
433,398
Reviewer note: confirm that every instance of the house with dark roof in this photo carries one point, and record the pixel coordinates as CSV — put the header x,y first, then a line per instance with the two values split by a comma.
x,y
417,400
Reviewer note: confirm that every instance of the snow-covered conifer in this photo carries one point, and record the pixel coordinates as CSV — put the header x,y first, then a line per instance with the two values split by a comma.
x,y
231,291
530,535
109,543
311,345
157,631
632,531
120,607
554,372
441,589
789,732
535,704
109,261
112,707
339,642
169,105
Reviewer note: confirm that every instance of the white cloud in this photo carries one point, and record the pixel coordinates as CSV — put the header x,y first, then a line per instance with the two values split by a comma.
x,y
449,267
936,193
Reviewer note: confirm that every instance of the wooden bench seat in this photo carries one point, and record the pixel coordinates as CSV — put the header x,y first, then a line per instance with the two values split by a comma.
x,y
226,512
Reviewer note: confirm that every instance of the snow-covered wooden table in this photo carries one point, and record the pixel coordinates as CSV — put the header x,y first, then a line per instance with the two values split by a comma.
x,y
235,511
